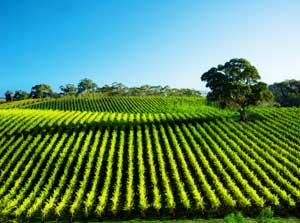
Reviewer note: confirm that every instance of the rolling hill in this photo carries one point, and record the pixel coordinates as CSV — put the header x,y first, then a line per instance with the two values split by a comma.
x,y
145,157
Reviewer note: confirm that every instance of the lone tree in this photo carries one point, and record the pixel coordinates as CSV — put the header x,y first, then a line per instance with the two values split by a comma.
x,y
235,85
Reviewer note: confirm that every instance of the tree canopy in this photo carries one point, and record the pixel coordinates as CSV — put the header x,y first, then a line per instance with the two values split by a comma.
x,y
287,93
235,85
68,89
41,91
8,96
87,85
20,95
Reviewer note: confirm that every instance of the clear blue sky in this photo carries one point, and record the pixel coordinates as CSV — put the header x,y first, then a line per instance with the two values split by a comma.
x,y
167,42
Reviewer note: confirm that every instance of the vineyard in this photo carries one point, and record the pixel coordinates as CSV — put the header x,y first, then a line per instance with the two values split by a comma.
x,y
128,104
85,164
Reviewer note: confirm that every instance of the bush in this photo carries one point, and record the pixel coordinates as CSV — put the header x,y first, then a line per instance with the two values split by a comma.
x,y
266,216
235,218
240,218
230,218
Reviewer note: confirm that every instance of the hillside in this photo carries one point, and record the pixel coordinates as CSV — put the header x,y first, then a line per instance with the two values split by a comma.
x,y
127,104
80,164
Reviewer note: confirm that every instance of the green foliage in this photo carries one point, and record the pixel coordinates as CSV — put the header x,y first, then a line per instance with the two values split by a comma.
x,y
266,216
57,164
87,85
41,91
287,93
235,218
89,88
230,218
235,85
146,90
21,95
68,89
136,104
8,96
22,103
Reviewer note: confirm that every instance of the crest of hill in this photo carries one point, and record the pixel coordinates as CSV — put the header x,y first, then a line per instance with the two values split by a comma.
x,y
119,104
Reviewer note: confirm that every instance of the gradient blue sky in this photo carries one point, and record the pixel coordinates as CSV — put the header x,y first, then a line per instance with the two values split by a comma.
x,y
166,42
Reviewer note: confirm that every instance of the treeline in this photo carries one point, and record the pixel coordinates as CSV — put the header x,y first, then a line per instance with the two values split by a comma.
x,y
87,86
286,93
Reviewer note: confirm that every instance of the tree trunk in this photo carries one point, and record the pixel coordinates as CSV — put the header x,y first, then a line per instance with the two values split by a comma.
x,y
243,115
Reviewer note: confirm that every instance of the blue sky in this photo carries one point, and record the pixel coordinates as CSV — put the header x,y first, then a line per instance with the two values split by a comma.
x,y
144,42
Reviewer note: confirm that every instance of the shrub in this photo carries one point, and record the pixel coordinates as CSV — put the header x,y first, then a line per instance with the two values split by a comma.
x,y
235,218
266,216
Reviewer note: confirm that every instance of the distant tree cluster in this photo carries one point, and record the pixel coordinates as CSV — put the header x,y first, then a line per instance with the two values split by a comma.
x,y
286,93
37,91
146,90
18,95
87,86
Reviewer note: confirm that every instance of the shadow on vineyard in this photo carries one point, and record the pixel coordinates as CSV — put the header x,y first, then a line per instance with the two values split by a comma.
x,y
112,120
252,116
265,215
